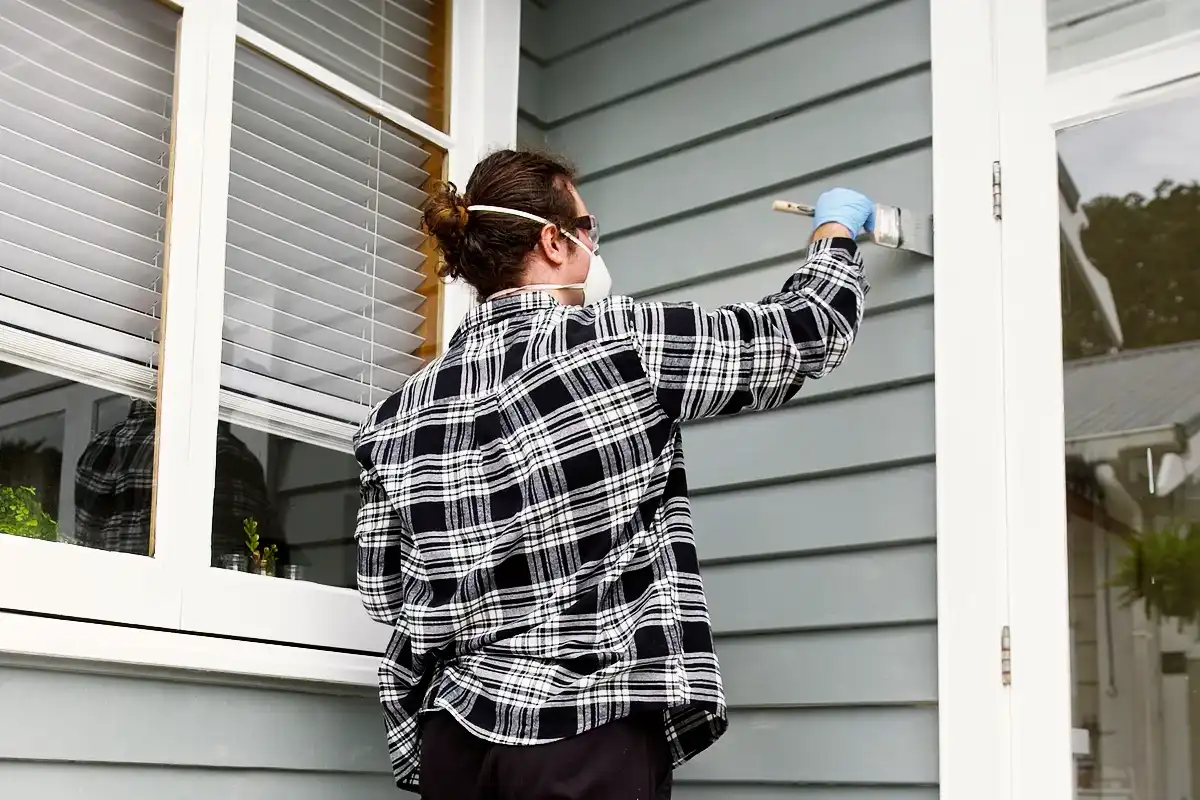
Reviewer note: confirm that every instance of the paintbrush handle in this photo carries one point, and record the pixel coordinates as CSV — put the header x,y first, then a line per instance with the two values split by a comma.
x,y
794,208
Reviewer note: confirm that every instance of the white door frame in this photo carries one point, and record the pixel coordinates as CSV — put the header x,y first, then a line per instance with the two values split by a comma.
x,y
969,409
1033,106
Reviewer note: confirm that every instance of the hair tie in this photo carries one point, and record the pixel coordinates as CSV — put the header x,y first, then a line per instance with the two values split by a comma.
x,y
463,214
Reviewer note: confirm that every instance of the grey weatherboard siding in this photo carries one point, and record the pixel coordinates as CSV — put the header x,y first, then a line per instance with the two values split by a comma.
x,y
815,522
67,734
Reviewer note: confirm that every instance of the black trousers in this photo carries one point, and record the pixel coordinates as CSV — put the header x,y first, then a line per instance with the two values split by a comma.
x,y
623,760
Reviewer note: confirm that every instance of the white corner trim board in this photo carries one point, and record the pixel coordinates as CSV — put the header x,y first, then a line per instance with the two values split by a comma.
x,y
969,405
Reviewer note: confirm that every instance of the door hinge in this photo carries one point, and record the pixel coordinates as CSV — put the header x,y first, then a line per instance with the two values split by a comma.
x,y
995,190
1005,657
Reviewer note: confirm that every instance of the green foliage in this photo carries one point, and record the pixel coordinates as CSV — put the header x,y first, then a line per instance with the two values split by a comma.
x,y
1163,569
21,514
1146,247
264,558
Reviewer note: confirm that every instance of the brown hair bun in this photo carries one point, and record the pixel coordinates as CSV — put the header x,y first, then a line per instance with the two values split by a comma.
x,y
446,214
487,249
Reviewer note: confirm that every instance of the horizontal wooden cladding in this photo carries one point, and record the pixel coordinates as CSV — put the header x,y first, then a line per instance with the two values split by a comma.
x,y
853,746
894,666
685,790
530,136
892,586
895,276
76,717
847,511
140,782
714,31
798,440
843,131
754,88
530,85
747,232
567,26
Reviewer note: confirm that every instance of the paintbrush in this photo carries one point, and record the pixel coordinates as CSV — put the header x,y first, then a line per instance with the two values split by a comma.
x,y
897,228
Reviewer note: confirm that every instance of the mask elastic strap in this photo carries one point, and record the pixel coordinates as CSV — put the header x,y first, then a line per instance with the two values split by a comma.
x,y
534,218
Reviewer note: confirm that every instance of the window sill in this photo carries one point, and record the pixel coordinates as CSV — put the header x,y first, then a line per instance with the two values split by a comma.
x,y
51,643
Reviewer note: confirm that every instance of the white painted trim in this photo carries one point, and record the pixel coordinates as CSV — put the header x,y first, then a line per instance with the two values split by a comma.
x,y
60,644
296,612
1140,77
485,50
1042,761
968,356
70,581
193,290
335,83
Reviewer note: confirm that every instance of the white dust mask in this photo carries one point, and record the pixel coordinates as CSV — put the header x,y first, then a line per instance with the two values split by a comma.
x,y
596,285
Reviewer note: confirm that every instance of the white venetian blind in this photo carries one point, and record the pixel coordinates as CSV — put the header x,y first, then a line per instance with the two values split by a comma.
x,y
322,264
382,46
85,119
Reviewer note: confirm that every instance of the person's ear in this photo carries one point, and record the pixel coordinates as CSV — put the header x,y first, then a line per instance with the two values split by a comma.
x,y
553,245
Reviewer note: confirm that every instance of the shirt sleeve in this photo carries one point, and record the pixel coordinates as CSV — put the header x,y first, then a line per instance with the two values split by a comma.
x,y
381,543
754,356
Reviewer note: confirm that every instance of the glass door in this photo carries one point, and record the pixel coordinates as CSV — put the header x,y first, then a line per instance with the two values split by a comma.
x,y
1129,220
1100,154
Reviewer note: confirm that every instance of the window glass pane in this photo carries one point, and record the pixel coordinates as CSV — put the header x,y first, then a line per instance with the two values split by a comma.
x,y
300,501
69,473
324,266
1130,231
1081,31
85,120
390,48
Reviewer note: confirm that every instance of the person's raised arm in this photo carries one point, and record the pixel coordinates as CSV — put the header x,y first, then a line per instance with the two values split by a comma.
x,y
706,363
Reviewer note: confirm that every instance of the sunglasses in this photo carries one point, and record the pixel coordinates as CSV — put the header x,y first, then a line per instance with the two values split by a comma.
x,y
588,223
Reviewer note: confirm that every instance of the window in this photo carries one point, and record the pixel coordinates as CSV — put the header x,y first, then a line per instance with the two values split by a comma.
x,y
211,267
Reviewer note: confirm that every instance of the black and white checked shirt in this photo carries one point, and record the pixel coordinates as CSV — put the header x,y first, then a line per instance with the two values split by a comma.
x,y
525,524
114,484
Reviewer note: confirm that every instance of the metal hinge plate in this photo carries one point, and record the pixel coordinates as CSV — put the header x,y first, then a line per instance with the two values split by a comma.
x,y
996,190
1005,657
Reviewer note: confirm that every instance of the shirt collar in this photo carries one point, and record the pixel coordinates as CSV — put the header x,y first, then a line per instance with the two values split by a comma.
x,y
492,311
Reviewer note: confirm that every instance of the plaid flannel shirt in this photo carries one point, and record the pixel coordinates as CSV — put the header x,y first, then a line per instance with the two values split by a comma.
x,y
525,524
114,483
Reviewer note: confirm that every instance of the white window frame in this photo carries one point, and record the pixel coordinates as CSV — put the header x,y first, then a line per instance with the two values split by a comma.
x,y
173,610
1033,106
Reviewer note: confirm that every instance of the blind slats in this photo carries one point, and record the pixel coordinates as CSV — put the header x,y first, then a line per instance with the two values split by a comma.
x,y
68,221
94,283
395,72
148,145
323,258
94,152
71,252
134,84
85,107
263,77
78,305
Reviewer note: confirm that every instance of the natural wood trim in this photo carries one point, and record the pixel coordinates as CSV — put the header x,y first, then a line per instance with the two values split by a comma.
x,y
432,288
166,277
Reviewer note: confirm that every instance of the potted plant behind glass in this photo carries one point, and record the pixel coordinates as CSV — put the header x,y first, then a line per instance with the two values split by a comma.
x,y
21,514
1162,569
263,558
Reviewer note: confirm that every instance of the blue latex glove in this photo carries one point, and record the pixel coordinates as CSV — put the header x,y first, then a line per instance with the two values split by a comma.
x,y
845,207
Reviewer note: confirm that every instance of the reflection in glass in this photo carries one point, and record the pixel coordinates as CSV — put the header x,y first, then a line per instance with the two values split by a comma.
x,y
76,463
1130,234
284,508
1082,31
